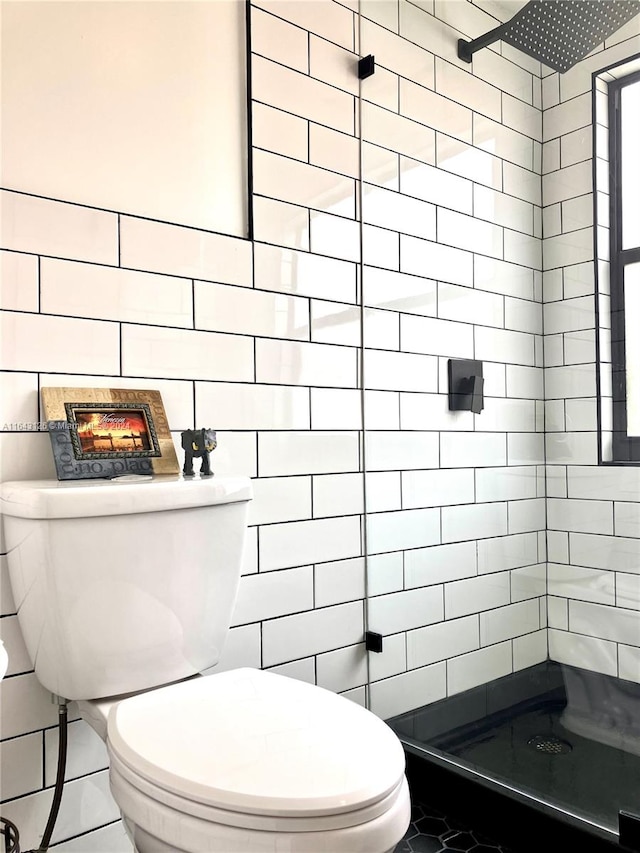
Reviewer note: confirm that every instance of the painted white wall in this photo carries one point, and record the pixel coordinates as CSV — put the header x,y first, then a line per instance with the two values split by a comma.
x,y
136,107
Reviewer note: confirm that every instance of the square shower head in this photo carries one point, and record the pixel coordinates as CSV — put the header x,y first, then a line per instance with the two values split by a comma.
x,y
558,32
562,32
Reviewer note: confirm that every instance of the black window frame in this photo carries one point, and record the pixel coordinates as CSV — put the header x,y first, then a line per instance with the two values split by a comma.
x,y
626,448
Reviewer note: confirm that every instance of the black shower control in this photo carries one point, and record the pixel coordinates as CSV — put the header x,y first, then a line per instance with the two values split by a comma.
x,y
366,66
373,641
466,385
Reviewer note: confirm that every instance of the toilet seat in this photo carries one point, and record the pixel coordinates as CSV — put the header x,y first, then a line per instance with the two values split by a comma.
x,y
122,778
236,748
155,826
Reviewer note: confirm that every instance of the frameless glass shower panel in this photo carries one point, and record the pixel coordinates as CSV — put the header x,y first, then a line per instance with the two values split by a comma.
x,y
502,560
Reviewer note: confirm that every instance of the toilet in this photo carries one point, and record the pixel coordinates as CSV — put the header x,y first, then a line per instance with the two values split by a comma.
x,y
125,589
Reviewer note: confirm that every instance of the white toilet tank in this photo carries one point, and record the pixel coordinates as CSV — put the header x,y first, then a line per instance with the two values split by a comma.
x,y
124,585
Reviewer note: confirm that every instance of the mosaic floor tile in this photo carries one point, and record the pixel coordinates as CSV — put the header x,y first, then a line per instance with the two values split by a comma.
x,y
432,832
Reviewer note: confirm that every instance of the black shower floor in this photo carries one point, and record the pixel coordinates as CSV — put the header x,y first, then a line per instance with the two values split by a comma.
x,y
589,782
592,779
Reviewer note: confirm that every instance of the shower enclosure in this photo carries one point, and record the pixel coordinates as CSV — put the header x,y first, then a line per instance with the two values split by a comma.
x,y
503,543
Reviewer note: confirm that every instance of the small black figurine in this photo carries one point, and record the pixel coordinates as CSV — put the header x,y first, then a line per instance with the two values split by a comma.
x,y
198,442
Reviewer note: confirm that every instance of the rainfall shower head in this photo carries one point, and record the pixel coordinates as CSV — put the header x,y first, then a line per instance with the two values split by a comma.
x,y
558,32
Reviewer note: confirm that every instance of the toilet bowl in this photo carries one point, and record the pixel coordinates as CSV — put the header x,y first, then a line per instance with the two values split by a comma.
x,y
248,760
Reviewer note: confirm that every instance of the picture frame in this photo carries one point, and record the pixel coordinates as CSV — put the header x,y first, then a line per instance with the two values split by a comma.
x,y
108,432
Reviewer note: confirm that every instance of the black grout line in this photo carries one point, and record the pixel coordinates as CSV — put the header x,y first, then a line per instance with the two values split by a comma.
x,y
434,92
118,213
84,834
39,274
249,113
294,251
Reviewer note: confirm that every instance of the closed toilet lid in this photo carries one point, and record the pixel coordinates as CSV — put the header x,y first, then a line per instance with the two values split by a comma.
x,y
259,743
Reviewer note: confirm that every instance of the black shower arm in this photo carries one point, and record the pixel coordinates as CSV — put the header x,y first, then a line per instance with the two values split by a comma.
x,y
466,49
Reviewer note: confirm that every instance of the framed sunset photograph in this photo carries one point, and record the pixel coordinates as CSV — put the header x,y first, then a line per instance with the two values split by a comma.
x,y
121,429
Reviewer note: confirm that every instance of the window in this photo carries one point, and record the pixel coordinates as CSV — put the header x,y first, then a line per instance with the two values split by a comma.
x,y
624,179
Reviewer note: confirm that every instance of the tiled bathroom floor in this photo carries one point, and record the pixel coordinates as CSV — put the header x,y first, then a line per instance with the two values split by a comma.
x,y
432,832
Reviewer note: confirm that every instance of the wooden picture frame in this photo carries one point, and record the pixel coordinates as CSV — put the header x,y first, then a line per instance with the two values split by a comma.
x,y
108,432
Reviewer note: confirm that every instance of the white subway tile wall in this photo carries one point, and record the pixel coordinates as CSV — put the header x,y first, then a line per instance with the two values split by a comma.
x,y
592,510
262,340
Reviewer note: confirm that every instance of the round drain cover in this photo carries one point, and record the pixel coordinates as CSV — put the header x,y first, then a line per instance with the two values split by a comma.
x,y
550,744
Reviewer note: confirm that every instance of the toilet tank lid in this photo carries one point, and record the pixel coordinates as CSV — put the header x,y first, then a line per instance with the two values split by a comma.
x,y
120,496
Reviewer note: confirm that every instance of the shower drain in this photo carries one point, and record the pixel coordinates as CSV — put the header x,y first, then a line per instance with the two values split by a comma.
x,y
549,744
